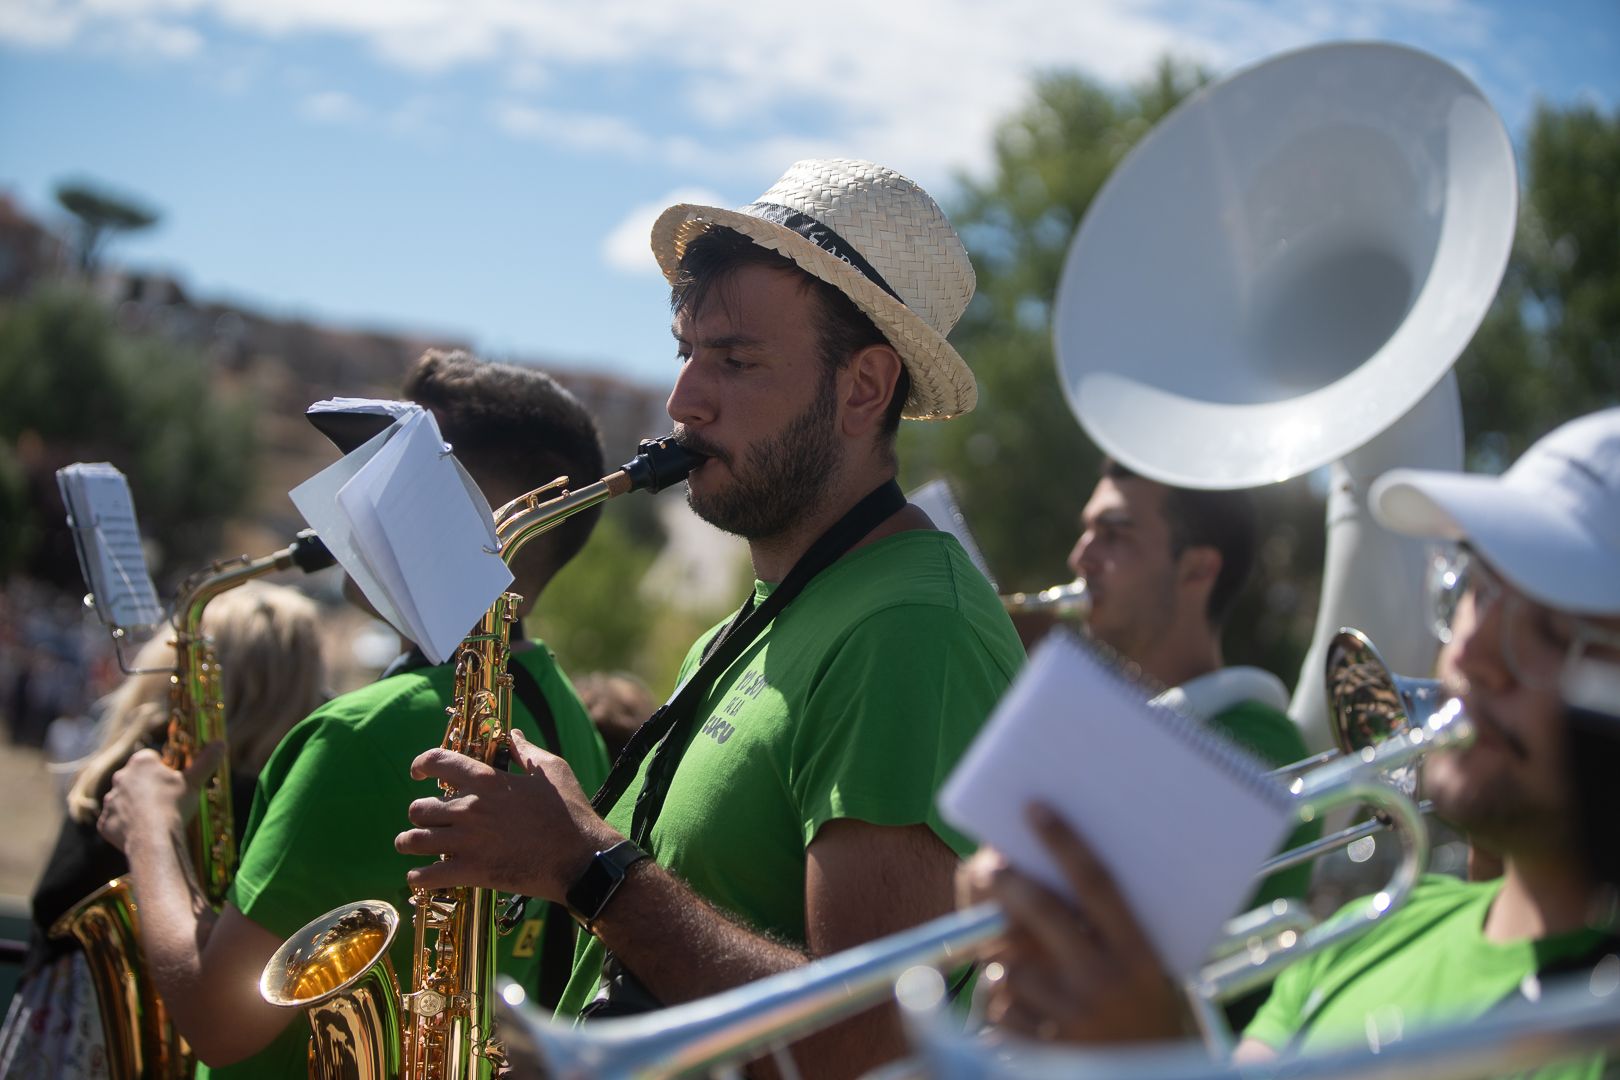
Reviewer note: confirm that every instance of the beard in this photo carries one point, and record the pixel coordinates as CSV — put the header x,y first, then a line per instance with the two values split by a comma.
x,y
778,481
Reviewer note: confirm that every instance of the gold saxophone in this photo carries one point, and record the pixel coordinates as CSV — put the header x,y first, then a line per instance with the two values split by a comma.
x,y
141,1040
337,968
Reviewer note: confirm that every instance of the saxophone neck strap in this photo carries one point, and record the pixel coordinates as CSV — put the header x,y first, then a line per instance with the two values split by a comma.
x,y
667,731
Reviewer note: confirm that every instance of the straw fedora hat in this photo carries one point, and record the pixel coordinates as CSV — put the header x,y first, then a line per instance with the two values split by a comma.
x,y
877,237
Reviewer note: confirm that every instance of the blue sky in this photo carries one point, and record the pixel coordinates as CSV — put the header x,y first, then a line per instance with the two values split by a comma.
x,y
486,170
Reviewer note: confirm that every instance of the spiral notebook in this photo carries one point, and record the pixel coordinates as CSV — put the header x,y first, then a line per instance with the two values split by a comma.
x,y
1181,817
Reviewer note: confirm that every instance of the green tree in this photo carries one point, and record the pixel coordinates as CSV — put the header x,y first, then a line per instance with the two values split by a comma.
x,y
1550,347
1019,463
100,214
78,389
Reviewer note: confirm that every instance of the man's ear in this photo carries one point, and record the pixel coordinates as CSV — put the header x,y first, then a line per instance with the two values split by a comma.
x,y
866,385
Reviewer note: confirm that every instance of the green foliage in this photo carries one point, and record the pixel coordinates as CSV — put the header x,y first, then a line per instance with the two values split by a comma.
x,y
584,614
1019,463
1550,348
78,389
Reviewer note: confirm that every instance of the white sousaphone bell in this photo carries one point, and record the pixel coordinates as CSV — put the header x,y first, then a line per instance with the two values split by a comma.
x,y
1279,277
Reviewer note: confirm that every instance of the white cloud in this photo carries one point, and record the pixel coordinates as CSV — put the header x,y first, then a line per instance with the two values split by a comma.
x,y
333,107
920,83
598,132
626,248
38,23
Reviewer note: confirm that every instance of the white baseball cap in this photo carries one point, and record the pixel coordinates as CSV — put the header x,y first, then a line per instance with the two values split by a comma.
x,y
1550,525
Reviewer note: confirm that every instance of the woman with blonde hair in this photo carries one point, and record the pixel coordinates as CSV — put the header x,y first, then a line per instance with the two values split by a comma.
x,y
265,638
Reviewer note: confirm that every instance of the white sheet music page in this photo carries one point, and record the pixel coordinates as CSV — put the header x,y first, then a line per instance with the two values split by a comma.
x,y
938,501
317,499
102,515
437,535
1181,817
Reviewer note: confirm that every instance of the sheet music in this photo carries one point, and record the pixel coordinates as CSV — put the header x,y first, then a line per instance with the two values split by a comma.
x,y
424,504
108,540
317,499
1181,817
939,503
408,525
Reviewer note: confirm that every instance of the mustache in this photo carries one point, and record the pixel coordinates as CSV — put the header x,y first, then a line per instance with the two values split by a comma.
x,y
1513,743
697,444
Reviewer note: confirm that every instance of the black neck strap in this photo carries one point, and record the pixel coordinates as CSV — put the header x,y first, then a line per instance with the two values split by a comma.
x,y
667,731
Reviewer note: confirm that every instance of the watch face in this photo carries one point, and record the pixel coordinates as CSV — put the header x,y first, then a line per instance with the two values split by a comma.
x,y
597,884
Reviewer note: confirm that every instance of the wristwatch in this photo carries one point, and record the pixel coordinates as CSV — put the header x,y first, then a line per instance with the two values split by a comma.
x,y
596,884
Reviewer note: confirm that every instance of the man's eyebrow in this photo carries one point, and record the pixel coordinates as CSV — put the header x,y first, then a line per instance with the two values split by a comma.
x,y
1115,518
724,341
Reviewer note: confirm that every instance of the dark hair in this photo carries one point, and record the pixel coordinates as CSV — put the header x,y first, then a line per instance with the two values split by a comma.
x,y
514,429
1223,520
842,328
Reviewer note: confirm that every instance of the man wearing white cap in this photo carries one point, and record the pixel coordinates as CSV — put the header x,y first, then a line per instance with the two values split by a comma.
x,y
1530,595
786,793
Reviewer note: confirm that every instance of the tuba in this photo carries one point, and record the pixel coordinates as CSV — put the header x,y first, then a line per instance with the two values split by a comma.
x,y
1279,277
141,1040
336,968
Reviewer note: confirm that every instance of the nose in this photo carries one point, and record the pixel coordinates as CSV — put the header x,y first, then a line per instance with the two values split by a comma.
x,y
1080,556
690,401
1475,649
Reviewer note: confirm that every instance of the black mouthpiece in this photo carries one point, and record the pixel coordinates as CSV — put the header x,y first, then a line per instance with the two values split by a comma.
x,y
659,463
309,552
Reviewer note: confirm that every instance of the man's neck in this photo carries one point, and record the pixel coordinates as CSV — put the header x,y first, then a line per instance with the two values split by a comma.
x,y
1543,895
1180,658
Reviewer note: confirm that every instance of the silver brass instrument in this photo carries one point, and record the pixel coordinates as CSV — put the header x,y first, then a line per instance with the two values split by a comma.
x,y
337,968
771,1011
1280,277
140,1038
1069,603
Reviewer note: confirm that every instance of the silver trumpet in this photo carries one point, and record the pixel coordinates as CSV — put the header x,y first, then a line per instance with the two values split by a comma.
x,y
740,1023
1069,603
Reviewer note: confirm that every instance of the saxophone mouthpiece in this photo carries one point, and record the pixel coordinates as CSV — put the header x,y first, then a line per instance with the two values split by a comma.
x,y
310,553
659,463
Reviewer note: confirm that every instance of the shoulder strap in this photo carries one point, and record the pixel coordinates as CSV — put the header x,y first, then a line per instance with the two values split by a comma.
x,y
666,733
527,690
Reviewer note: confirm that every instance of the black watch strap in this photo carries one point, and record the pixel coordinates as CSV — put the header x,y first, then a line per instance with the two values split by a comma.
x,y
595,886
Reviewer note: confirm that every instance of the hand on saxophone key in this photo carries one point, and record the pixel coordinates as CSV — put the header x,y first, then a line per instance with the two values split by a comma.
x,y
528,832
151,801
1073,972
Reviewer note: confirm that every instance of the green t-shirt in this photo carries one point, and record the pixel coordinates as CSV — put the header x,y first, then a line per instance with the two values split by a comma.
x,y
1424,965
1271,736
854,703
333,796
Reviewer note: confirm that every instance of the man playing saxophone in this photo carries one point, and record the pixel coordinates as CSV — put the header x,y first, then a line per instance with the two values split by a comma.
x,y
791,814
328,802
1530,597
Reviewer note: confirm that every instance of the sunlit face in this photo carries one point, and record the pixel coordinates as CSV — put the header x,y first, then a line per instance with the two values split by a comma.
x,y
1506,658
754,394
1124,555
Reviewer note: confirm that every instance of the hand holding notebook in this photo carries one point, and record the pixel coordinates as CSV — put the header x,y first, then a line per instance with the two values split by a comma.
x,y
1181,817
